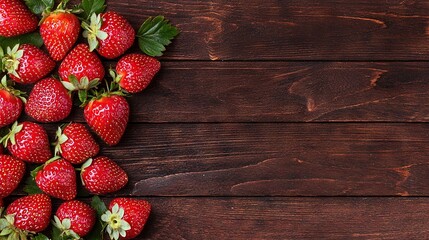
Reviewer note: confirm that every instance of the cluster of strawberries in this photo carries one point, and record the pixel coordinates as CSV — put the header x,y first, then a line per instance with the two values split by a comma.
x,y
106,111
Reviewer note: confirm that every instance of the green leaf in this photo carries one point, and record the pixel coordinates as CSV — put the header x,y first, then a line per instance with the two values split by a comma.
x,y
41,237
98,205
31,186
56,233
30,38
97,232
92,6
39,6
154,34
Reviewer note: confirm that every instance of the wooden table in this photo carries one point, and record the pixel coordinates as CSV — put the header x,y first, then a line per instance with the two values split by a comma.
x,y
283,119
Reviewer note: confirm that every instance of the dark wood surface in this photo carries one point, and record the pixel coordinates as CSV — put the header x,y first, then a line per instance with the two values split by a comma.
x,y
294,119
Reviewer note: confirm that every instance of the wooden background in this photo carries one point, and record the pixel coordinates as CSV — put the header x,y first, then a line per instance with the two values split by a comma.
x,y
283,119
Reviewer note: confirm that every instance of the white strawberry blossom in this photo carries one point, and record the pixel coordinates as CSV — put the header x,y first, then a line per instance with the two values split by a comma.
x,y
116,226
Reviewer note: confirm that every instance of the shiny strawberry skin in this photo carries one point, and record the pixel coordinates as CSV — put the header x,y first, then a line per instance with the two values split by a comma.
x,y
81,215
80,145
16,18
120,38
60,31
11,172
32,213
49,101
108,117
81,63
103,176
58,179
136,71
32,144
33,66
11,108
136,214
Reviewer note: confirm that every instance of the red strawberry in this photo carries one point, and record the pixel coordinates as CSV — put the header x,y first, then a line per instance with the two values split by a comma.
x,y
111,33
75,219
76,144
29,142
11,103
57,178
101,176
126,217
16,19
60,30
11,172
28,214
108,117
136,71
49,101
27,64
80,62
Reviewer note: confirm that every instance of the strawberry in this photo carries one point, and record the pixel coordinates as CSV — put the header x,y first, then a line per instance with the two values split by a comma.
x,y
60,31
57,178
49,101
27,64
28,142
109,33
74,219
16,19
101,176
75,143
11,172
11,103
108,116
80,62
25,216
126,217
135,72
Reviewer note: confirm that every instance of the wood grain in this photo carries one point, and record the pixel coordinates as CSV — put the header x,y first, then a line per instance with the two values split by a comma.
x,y
290,30
283,92
274,159
288,218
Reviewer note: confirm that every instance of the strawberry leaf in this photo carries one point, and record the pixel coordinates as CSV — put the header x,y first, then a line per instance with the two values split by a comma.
x,y
98,205
96,233
41,237
56,233
39,6
31,186
91,6
154,34
30,38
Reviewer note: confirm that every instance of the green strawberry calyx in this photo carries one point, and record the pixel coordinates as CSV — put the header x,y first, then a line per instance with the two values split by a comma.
x,y
10,60
64,227
8,229
82,86
39,168
83,167
7,85
116,225
61,138
93,31
10,137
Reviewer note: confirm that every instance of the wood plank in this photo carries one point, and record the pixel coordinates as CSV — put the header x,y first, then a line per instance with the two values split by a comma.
x,y
290,30
286,218
274,159
283,92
